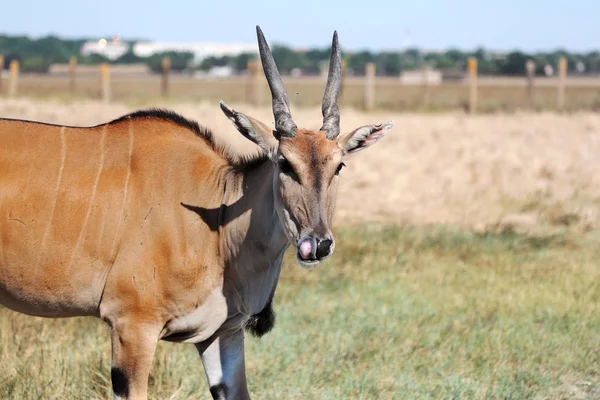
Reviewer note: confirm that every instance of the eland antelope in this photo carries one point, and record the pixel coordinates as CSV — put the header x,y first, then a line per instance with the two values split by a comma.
x,y
147,223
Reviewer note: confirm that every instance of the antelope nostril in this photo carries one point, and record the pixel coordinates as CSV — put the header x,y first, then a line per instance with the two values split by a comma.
x,y
323,248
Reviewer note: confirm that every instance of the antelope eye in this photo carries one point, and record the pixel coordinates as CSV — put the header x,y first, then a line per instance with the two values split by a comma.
x,y
339,168
285,166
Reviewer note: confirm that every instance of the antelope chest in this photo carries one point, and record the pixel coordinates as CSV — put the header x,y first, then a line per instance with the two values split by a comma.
x,y
252,284
242,299
200,323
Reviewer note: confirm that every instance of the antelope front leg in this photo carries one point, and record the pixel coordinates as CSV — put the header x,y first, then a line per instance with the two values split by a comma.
x,y
224,365
133,347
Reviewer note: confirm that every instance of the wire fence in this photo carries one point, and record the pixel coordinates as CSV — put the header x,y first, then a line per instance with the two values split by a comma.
x,y
416,90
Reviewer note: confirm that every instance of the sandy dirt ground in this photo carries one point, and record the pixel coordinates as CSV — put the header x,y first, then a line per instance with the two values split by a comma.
x,y
444,168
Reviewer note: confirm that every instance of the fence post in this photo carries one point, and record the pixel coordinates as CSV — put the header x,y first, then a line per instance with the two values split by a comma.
x,y
258,84
530,69
72,74
1,70
13,78
472,66
166,66
425,83
104,83
562,78
343,83
369,99
253,91
324,71
250,71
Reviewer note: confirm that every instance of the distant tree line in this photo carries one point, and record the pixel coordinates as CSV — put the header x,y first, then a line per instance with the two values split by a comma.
x,y
36,55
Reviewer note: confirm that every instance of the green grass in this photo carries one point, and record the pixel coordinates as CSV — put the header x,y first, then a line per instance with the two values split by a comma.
x,y
398,313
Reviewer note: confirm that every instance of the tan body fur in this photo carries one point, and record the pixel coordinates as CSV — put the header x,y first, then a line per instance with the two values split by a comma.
x,y
98,228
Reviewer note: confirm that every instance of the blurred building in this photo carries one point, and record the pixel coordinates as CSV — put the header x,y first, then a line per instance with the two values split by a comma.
x,y
111,49
420,77
115,48
215,72
199,49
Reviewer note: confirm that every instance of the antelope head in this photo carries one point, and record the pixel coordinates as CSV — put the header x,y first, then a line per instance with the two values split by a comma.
x,y
307,163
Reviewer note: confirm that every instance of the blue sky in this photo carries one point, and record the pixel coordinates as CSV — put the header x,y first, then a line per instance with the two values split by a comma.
x,y
375,24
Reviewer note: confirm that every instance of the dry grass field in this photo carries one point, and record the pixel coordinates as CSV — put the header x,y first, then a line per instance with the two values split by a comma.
x,y
466,268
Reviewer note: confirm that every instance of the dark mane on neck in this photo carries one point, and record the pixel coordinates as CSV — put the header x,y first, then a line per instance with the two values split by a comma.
x,y
167,115
239,162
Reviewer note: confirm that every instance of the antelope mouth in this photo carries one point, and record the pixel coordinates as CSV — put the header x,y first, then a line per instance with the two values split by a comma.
x,y
307,264
310,252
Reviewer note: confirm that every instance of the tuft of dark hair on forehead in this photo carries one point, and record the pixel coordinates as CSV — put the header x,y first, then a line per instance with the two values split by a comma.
x,y
242,162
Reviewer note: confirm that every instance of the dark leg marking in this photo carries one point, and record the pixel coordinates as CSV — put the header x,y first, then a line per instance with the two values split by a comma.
x,y
120,382
219,392
261,323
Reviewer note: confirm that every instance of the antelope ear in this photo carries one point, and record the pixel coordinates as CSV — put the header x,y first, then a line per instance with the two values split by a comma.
x,y
252,129
364,137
